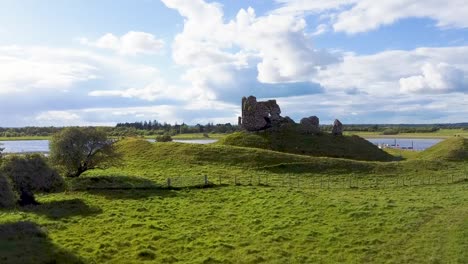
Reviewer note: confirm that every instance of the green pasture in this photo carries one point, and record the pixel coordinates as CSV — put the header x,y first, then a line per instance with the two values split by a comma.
x,y
274,214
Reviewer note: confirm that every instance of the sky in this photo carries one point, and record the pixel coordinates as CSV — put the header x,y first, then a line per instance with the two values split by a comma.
x,y
87,62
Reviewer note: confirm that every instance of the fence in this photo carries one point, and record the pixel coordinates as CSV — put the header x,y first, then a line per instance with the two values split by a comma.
x,y
324,181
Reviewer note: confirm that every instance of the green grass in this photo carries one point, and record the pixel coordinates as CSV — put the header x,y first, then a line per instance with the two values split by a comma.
x,y
246,225
324,145
123,215
452,149
199,136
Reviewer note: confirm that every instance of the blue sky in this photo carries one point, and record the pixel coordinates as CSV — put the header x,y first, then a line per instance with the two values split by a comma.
x,y
361,61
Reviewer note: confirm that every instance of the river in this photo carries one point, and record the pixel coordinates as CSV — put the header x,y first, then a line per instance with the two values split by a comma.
x,y
42,146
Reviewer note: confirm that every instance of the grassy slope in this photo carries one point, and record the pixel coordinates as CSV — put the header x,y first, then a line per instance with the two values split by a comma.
x,y
158,161
324,145
244,224
452,149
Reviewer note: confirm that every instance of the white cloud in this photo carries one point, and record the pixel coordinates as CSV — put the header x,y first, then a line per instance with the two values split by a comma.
x,y
440,78
353,16
157,90
39,69
191,113
24,70
215,51
380,73
131,43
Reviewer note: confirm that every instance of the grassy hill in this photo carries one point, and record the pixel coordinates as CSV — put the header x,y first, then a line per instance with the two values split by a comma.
x,y
146,164
426,223
452,149
324,145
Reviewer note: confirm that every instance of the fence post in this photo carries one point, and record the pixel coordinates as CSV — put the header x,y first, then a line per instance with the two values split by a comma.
x,y
168,182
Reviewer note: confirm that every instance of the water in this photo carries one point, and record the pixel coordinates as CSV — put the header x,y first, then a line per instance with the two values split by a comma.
x,y
22,146
416,143
26,146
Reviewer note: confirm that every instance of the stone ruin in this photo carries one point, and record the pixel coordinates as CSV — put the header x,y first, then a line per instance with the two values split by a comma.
x,y
310,125
337,129
258,116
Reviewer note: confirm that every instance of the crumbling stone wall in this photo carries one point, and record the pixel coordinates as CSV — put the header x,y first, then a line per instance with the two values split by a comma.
x,y
257,116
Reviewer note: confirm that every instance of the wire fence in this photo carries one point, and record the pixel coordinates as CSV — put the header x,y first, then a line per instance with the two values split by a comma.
x,y
324,181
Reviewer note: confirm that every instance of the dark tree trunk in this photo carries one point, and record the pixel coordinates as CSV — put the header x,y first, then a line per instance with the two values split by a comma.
x,y
27,198
77,173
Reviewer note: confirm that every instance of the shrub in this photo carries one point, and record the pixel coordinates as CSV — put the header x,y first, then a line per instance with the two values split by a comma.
x,y
164,138
7,195
390,131
29,174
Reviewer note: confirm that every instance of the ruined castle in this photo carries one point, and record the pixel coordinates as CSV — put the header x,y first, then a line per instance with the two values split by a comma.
x,y
258,116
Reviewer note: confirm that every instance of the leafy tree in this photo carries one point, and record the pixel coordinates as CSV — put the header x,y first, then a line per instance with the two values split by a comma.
x,y
164,138
76,150
29,174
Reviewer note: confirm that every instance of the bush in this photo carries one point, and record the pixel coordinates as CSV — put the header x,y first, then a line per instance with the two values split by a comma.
x,y
7,195
29,174
390,131
164,138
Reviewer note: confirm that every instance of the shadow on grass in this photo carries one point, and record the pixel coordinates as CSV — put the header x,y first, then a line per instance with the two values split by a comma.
x,y
133,194
128,187
26,242
63,209
111,182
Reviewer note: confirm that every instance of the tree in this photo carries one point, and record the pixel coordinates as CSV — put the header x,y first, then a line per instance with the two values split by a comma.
x,y
76,150
7,195
29,174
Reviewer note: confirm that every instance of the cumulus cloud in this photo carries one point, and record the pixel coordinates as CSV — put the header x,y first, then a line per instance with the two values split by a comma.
x,y
440,78
215,51
380,74
353,16
131,43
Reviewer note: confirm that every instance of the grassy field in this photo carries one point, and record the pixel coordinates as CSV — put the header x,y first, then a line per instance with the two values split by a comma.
x,y
442,133
122,215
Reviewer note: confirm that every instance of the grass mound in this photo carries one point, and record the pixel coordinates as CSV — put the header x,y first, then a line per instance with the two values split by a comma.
x,y
324,145
452,149
138,151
